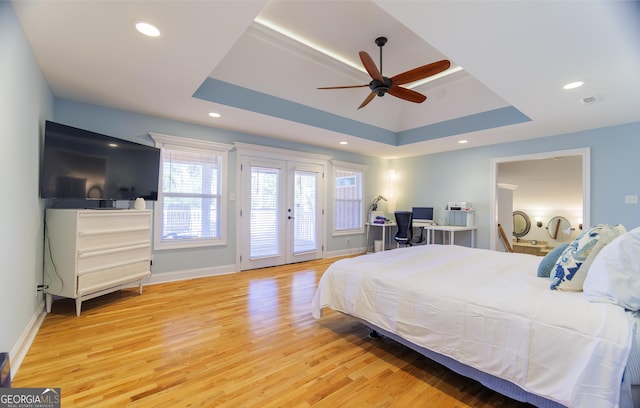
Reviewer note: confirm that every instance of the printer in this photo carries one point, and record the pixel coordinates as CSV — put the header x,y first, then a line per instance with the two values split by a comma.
x,y
458,205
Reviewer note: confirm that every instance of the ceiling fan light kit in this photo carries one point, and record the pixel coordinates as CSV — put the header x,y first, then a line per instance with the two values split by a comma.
x,y
380,84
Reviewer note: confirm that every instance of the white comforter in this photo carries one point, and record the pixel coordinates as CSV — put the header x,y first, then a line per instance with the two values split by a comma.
x,y
488,310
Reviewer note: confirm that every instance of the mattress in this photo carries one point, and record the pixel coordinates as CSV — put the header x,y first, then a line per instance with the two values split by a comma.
x,y
489,310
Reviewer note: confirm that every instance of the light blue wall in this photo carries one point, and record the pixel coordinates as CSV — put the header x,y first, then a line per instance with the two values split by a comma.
x,y
136,127
464,175
430,180
25,102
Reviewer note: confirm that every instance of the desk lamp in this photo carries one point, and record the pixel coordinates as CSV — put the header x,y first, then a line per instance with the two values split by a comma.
x,y
374,205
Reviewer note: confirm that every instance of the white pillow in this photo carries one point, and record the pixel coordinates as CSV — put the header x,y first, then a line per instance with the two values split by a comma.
x,y
614,276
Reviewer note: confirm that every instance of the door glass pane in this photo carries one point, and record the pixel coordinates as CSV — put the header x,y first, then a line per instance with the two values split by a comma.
x,y
304,229
264,212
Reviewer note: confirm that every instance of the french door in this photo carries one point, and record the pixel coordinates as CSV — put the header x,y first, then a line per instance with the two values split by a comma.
x,y
281,216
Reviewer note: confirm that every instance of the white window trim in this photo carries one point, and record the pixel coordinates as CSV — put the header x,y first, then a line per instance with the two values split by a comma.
x,y
336,164
183,143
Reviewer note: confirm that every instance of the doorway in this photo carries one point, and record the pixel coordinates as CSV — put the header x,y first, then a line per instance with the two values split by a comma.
x,y
584,156
281,210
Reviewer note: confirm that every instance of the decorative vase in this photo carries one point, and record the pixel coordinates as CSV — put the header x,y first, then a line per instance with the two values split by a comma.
x,y
139,204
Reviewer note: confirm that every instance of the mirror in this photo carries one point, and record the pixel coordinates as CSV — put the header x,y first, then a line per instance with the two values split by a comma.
x,y
521,224
559,228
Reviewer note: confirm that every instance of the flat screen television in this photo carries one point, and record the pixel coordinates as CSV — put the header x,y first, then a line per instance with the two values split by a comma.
x,y
80,164
422,214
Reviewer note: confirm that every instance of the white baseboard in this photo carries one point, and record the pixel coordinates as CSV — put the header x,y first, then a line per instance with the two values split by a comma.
x,y
345,252
186,274
20,349
190,274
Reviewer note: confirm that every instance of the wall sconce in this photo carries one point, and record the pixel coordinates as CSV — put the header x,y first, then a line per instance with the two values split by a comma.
x,y
539,222
391,180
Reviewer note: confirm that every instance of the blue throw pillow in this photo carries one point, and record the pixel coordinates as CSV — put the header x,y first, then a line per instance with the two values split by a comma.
x,y
549,260
573,265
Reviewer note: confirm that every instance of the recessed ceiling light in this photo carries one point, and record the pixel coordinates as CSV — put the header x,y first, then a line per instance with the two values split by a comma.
x,y
573,85
214,114
147,29
344,143
463,141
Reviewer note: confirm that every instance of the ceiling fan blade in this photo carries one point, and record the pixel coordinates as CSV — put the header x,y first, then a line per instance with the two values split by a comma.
x,y
406,94
367,100
344,87
370,66
422,72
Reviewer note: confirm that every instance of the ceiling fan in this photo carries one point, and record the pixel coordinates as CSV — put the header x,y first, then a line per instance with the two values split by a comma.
x,y
380,85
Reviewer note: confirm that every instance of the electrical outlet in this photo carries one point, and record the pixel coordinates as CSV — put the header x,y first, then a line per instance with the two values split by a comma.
x,y
40,288
631,199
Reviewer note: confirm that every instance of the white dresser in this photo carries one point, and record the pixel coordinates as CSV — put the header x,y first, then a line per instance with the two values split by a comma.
x,y
90,253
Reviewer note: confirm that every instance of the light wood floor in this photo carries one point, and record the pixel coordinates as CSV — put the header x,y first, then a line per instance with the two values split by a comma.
x,y
240,340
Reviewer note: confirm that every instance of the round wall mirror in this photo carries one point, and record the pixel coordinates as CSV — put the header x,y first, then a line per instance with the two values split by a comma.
x,y
521,224
559,228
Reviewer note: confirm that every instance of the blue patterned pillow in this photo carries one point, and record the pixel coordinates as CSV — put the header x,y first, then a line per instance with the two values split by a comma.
x,y
572,266
549,260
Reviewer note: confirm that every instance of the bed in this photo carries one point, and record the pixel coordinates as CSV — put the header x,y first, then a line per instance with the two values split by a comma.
x,y
487,315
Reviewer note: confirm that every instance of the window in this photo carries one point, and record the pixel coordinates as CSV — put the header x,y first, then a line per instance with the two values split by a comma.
x,y
348,207
191,207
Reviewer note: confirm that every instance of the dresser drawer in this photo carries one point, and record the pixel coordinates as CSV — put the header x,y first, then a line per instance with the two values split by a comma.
x,y
106,278
92,261
111,239
115,220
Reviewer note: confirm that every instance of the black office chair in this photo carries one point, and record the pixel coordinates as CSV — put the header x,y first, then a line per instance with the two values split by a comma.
x,y
404,233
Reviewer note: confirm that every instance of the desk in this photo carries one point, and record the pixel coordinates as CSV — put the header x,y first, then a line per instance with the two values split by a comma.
x,y
384,232
421,225
451,229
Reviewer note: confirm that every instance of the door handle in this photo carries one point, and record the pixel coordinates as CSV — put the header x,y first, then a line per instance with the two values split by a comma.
x,y
290,217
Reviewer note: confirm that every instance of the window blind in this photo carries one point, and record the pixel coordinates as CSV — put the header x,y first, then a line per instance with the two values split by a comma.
x,y
191,194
